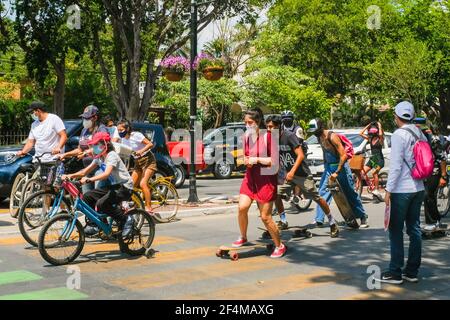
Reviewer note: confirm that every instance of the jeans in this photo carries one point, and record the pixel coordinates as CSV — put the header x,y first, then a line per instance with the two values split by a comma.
x,y
405,208
431,211
346,181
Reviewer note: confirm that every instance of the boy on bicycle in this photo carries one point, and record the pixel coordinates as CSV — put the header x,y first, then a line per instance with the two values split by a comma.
x,y
107,199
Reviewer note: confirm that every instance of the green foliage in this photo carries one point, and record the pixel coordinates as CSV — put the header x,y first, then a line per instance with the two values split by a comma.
x,y
13,115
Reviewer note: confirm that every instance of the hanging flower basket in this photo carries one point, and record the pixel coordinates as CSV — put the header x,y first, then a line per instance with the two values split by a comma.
x,y
173,76
174,68
213,73
212,68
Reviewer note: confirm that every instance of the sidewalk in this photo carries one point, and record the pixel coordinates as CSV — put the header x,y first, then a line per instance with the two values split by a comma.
x,y
208,206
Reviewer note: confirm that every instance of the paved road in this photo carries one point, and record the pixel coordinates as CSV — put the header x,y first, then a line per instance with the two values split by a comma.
x,y
208,186
185,265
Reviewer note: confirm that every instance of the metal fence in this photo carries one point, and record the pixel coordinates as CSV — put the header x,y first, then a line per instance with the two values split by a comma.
x,y
12,137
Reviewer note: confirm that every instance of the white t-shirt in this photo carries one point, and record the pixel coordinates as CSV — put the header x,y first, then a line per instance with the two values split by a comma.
x,y
135,142
119,174
45,134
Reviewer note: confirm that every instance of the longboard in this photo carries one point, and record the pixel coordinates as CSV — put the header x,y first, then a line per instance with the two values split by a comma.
x,y
228,251
299,232
342,203
439,232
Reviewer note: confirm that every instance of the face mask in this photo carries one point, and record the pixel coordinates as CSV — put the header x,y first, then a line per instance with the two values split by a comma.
x,y
97,150
34,117
288,123
251,129
123,134
87,124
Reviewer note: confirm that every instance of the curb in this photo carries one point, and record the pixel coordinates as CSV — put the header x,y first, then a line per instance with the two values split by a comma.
x,y
211,211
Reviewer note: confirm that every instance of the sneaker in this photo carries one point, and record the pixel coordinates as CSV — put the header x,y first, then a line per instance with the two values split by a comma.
x,y
353,224
377,195
364,223
410,278
430,227
334,231
279,251
91,230
318,224
128,227
282,225
387,277
239,242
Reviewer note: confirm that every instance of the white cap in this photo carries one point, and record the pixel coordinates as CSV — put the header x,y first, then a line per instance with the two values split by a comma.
x,y
313,126
405,110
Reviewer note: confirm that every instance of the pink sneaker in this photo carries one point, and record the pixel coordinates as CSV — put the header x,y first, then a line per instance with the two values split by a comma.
x,y
239,243
279,251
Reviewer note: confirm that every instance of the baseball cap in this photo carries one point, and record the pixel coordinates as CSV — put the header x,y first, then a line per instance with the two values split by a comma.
x,y
89,112
405,110
37,105
99,136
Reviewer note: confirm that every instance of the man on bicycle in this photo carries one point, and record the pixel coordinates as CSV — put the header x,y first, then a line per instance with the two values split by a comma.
x,y
107,199
375,137
438,179
47,134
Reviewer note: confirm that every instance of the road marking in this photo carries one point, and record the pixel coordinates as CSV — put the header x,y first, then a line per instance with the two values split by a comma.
x,y
4,211
203,272
160,258
271,288
18,276
49,294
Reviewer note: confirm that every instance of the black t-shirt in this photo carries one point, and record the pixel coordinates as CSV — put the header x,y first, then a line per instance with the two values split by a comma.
x,y
288,143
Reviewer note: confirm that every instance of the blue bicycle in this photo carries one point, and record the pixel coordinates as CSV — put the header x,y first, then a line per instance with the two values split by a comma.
x,y
62,238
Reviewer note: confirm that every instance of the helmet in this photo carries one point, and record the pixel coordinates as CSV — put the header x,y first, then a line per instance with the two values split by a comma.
x,y
97,138
287,114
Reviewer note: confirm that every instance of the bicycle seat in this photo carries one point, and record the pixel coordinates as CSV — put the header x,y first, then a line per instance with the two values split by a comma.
x,y
26,167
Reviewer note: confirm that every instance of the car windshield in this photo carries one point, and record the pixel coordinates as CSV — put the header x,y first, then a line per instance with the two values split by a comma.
x,y
355,139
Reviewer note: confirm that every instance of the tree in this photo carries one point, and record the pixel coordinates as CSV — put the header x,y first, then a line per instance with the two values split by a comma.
x,y
43,34
142,31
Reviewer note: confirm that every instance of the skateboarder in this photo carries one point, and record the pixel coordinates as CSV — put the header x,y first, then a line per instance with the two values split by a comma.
x,y
336,167
438,179
259,183
292,160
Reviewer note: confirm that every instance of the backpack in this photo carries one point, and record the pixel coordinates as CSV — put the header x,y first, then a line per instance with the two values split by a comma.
x,y
348,146
423,156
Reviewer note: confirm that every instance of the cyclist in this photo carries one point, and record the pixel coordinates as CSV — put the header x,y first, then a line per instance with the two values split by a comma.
x,y
375,137
438,179
288,119
144,160
107,199
292,160
47,134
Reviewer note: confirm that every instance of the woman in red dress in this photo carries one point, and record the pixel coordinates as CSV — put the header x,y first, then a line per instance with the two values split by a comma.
x,y
260,181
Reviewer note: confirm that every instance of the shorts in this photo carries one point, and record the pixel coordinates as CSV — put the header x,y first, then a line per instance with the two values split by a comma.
x,y
307,186
146,162
375,161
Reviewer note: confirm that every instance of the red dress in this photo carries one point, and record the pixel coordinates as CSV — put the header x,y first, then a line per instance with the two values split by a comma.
x,y
257,184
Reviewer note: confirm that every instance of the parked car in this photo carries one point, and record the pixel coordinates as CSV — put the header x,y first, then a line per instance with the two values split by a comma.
x,y
315,154
10,165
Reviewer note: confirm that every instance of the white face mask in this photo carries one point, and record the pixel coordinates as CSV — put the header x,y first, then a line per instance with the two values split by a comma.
x,y
34,117
87,124
251,129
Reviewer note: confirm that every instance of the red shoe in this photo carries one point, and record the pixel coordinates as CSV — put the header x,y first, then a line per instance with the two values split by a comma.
x,y
239,243
279,252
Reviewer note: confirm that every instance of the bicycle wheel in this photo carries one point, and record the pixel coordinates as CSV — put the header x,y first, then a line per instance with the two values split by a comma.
x,y
142,235
136,198
16,197
443,200
31,187
61,240
165,201
35,211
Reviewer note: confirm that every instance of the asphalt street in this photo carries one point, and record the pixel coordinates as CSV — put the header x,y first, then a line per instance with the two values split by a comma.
x,y
185,265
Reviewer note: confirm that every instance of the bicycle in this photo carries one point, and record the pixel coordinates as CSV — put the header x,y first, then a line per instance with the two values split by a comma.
x,y
43,205
359,176
164,199
64,231
26,183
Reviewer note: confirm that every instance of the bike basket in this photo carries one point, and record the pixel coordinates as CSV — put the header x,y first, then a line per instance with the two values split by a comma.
x,y
47,173
357,162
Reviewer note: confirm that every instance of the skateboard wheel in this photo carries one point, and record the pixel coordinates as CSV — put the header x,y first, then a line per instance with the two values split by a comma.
x,y
266,235
219,253
308,234
234,256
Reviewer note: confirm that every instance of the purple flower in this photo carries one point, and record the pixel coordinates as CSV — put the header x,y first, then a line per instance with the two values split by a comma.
x,y
178,64
200,57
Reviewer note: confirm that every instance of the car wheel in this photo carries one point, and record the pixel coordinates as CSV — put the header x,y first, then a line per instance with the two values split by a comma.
x,y
223,170
180,176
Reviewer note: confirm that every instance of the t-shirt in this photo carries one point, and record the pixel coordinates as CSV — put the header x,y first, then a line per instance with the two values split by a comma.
x,y
113,132
45,134
135,142
288,143
119,174
85,136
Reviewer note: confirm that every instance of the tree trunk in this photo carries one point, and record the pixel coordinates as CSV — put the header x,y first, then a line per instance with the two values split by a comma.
x,y
60,90
444,110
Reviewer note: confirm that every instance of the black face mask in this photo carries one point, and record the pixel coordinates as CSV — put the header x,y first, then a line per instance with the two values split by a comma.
x,y
318,133
288,122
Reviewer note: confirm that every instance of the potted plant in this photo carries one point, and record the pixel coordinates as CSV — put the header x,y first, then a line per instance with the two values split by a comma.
x,y
174,68
212,68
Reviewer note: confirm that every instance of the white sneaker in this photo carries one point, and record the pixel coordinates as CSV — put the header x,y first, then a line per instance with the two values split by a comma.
x,y
430,227
377,195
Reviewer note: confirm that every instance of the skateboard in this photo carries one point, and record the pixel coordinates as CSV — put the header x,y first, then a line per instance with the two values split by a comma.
x,y
229,251
441,231
342,203
299,232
